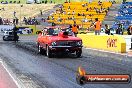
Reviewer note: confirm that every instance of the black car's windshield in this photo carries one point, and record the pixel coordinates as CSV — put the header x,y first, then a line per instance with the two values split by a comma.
x,y
10,33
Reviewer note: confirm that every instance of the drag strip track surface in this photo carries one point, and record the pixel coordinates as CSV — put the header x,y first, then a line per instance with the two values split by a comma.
x,y
38,71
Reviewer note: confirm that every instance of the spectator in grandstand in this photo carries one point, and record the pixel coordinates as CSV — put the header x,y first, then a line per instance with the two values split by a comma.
x,y
107,29
97,10
79,14
48,18
90,8
85,19
75,29
73,13
99,3
69,8
119,30
59,19
70,26
97,26
73,18
83,14
52,17
64,12
86,9
129,30
83,5
66,1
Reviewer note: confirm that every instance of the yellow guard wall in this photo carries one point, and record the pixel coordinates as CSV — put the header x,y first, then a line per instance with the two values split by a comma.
x,y
115,43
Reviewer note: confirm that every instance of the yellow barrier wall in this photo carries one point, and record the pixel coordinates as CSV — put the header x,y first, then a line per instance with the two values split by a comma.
x,y
114,43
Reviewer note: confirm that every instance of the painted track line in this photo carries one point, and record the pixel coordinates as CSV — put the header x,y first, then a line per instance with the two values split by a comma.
x,y
15,79
122,54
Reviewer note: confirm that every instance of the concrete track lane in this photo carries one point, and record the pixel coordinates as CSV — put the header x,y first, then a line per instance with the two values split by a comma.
x,y
38,71
60,72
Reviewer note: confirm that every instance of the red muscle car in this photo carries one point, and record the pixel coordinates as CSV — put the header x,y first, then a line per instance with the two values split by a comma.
x,y
54,40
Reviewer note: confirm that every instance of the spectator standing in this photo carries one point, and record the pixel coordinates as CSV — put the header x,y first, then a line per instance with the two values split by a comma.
x,y
15,29
107,30
1,22
17,21
75,29
41,12
25,20
14,13
119,30
129,30
97,26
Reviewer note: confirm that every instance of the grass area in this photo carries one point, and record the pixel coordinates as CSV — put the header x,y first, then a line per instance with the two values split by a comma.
x,y
28,10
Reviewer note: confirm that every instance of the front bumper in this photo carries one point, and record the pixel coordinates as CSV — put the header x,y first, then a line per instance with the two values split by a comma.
x,y
69,49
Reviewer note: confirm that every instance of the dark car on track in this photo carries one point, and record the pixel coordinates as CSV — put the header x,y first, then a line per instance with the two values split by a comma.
x,y
9,36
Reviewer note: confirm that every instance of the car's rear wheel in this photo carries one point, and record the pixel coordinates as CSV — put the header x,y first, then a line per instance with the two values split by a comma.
x,y
48,52
78,53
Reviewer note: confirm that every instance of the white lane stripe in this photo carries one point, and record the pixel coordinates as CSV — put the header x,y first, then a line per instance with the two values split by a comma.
x,y
124,54
16,82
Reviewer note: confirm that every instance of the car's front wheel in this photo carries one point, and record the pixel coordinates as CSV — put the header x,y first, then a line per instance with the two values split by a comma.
x,y
78,53
4,38
48,52
41,50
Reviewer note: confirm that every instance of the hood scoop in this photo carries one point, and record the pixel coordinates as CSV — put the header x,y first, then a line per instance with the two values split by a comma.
x,y
63,34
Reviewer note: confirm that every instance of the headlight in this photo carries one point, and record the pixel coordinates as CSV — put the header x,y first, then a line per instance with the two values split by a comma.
x,y
79,43
53,44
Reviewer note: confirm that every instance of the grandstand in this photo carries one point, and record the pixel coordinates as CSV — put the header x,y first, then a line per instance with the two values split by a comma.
x,y
83,13
124,16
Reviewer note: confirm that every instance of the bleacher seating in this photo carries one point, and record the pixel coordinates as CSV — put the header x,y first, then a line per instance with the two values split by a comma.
x,y
78,11
124,16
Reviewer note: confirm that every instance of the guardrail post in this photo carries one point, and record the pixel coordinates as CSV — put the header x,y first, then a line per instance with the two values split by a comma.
x,y
131,43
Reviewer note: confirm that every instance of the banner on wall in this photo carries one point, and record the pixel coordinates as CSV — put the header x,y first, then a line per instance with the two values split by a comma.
x,y
22,30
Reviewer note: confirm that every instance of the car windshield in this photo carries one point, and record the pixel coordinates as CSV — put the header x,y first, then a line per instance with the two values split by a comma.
x,y
56,31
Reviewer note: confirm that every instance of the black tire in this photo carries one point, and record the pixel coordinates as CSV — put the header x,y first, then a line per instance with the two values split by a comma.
x,y
78,53
4,38
48,52
41,50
